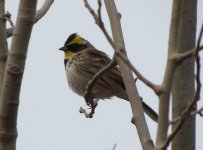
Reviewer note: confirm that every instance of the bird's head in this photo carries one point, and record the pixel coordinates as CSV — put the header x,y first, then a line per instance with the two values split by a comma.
x,y
74,44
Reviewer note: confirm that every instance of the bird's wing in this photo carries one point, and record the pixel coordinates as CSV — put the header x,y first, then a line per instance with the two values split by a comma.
x,y
92,61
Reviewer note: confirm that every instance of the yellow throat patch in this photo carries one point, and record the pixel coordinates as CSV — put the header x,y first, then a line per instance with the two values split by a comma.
x,y
68,54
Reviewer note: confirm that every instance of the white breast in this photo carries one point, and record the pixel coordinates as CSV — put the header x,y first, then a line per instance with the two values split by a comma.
x,y
76,80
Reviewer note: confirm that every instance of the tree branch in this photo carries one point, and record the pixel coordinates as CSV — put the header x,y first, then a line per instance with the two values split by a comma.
x,y
92,82
199,111
179,57
118,45
186,113
114,147
156,88
90,101
39,14
134,98
3,43
43,10
99,22
7,16
91,113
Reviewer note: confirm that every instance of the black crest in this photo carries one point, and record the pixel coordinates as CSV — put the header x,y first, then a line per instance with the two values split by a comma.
x,y
70,38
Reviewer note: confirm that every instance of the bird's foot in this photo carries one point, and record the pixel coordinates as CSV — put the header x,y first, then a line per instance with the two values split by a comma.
x,y
89,101
92,105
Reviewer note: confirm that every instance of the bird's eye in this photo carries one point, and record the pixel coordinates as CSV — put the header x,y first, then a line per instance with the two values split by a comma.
x,y
73,47
76,47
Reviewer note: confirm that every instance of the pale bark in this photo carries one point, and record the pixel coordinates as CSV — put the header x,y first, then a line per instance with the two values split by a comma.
x,y
183,87
43,10
3,43
136,105
38,15
164,99
181,39
13,74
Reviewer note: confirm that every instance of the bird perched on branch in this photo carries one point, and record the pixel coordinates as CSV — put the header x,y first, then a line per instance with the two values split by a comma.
x,y
82,61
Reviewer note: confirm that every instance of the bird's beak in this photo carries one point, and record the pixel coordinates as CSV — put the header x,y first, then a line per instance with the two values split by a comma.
x,y
64,48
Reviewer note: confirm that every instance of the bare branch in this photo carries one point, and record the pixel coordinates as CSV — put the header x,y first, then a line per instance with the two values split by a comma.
x,y
8,18
99,10
114,147
83,111
89,100
199,40
199,111
3,44
99,22
131,89
39,14
179,57
9,32
92,82
92,12
156,88
43,10
90,114
186,113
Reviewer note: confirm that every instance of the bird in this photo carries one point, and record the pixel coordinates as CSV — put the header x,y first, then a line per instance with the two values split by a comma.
x,y
82,61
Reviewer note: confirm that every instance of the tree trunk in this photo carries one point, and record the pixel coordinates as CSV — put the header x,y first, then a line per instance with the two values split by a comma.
x,y
13,74
3,43
184,20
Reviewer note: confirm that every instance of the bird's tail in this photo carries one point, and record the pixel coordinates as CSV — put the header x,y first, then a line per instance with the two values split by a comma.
x,y
122,94
150,112
147,109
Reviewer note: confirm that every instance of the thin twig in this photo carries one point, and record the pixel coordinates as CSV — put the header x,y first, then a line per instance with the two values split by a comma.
x,y
99,9
90,101
39,14
186,113
199,111
175,120
102,27
155,88
9,32
114,147
92,82
87,5
99,22
43,10
179,57
8,18
91,113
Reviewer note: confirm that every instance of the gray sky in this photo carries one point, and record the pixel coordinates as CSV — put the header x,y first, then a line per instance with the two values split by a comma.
x,y
48,112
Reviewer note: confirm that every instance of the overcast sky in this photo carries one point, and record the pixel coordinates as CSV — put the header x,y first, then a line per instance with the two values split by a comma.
x,y
48,112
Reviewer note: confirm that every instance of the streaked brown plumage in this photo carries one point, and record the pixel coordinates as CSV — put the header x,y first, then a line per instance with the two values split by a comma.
x,y
83,61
